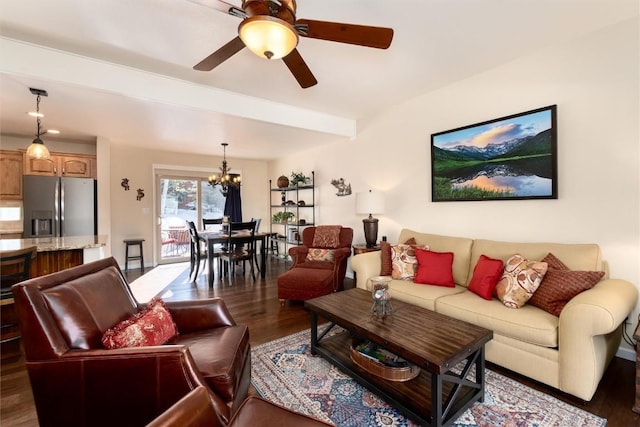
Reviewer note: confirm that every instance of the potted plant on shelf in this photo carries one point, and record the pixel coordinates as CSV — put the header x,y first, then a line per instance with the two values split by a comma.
x,y
298,179
282,217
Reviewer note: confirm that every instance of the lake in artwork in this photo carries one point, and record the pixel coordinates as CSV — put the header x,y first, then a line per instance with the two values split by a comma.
x,y
509,158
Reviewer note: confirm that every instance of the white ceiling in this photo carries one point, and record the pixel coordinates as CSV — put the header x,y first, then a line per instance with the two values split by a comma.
x,y
122,69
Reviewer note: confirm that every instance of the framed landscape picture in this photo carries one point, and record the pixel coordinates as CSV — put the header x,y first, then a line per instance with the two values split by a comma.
x,y
508,158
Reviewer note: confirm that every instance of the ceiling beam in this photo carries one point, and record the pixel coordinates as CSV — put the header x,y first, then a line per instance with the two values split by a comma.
x,y
26,59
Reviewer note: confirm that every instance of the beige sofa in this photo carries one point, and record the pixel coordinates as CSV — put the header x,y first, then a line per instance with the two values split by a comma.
x,y
570,352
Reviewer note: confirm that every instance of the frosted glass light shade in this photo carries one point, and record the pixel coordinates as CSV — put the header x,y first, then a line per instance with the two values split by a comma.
x,y
268,37
37,150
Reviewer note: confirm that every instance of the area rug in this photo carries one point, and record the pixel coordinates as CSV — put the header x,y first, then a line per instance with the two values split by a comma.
x,y
285,372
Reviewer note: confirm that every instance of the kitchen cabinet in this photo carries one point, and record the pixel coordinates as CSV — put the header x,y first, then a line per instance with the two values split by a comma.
x,y
59,164
10,175
298,199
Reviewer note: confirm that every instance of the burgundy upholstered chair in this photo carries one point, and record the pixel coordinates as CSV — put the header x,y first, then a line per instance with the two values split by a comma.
x,y
319,264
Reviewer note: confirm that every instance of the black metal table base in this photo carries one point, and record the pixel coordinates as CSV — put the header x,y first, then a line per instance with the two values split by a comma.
x,y
443,410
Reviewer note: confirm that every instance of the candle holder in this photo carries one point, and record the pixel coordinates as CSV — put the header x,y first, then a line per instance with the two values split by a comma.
x,y
381,307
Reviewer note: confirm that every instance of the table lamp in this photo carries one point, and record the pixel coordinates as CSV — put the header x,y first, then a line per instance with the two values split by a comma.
x,y
370,202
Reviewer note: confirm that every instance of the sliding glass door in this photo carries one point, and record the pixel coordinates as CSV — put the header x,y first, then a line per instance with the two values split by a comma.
x,y
180,199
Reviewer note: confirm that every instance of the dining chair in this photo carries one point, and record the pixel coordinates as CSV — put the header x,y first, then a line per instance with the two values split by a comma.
x,y
255,253
197,252
14,268
241,246
211,221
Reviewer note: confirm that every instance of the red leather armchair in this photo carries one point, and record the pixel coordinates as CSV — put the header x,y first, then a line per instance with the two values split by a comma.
x,y
77,382
308,279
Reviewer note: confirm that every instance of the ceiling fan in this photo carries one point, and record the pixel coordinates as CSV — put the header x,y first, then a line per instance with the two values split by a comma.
x,y
270,29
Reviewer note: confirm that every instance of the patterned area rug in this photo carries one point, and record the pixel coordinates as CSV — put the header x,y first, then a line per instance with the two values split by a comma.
x,y
285,372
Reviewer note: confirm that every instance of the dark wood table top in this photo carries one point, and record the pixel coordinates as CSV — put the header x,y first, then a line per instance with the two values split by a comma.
x,y
431,340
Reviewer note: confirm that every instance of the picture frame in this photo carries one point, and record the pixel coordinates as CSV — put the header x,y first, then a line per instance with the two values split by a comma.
x,y
508,158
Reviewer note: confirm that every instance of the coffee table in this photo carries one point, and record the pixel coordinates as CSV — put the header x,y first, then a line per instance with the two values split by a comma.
x,y
445,349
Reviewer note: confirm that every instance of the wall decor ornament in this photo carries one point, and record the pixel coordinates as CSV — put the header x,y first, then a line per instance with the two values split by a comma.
x,y
509,158
125,184
343,189
140,194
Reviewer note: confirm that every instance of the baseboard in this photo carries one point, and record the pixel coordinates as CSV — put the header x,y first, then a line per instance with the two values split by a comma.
x,y
626,353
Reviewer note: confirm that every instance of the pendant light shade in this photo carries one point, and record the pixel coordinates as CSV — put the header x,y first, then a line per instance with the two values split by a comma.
x,y
37,149
268,37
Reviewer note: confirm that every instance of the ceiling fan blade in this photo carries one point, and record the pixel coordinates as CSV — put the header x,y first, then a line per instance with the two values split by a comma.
x,y
299,69
220,55
362,35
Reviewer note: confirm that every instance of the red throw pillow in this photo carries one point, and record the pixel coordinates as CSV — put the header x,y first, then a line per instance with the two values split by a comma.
x,y
151,326
434,268
385,249
485,277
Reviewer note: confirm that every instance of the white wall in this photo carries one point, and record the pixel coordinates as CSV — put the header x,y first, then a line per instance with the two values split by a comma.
x,y
594,82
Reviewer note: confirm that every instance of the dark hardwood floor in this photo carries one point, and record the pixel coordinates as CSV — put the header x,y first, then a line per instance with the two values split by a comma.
x,y
256,304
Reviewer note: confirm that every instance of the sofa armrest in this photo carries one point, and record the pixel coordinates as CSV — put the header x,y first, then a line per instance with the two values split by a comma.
x,y
197,315
366,266
589,334
194,409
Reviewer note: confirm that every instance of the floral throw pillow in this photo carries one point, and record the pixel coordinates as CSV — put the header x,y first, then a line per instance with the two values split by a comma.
x,y
319,254
326,236
386,264
151,326
404,261
520,280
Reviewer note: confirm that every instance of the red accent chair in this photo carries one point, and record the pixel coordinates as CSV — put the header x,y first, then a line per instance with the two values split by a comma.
x,y
310,279
76,381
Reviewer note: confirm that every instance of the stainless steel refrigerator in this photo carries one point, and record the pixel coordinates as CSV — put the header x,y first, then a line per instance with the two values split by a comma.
x,y
59,206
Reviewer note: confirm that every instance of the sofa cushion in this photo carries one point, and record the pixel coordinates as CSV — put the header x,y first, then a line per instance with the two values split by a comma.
x,y
461,248
560,285
151,326
434,268
327,236
529,323
222,368
575,256
520,280
485,277
420,295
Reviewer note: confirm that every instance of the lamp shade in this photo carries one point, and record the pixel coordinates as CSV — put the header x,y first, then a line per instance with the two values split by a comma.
x,y
268,37
37,150
370,202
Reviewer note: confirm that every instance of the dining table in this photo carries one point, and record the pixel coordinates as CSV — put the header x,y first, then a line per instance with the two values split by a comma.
x,y
212,237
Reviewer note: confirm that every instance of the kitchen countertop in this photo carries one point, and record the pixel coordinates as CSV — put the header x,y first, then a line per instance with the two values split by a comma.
x,y
48,244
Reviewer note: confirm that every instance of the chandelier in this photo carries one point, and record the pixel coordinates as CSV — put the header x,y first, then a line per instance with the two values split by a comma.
x,y
37,149
225,179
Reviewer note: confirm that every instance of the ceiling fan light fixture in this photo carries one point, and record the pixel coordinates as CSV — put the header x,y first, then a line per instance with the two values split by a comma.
x,y
268,37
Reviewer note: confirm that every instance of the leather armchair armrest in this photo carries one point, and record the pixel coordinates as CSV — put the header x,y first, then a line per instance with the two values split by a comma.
x,y
197,315
194,409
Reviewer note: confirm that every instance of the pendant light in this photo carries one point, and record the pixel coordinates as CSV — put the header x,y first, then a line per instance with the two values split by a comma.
x,y
37,149
225,179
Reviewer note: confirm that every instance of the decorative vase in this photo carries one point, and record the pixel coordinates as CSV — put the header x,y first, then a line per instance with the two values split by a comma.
x,y
283,182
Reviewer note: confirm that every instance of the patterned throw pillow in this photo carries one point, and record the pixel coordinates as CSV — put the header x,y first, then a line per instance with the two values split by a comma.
x,y
385,248
434,268
520,280
326,236
319,254
404,262
485,277
560,285
151,326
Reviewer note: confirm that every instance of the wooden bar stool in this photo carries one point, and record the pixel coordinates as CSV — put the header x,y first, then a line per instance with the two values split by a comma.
x,y
127,257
